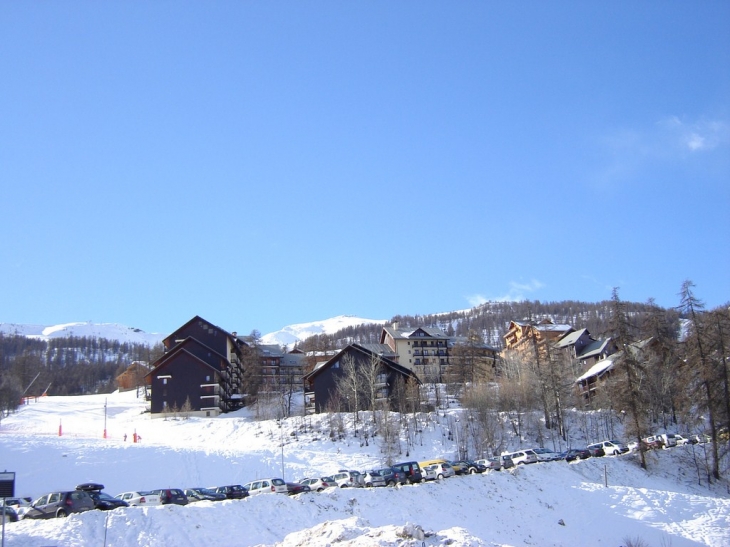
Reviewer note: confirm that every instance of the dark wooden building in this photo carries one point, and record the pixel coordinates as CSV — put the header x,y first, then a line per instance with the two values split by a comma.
x,y
201,370
321,384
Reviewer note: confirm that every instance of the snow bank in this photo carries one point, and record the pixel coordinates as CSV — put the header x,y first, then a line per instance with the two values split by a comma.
x,y
550,504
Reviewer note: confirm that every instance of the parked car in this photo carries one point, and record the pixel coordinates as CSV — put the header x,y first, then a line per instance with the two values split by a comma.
x,y
318,484
266,486
172,495
575,454
102,500
19,505
232,491
357,477
60,504
411,470
522,457
494,464
347,479
392,476
699,439
681,440
652,442
297,488
8,513
596,450
546,455
611,448
203,494
438,471
668,440
471,467
458,467
374,478
142,498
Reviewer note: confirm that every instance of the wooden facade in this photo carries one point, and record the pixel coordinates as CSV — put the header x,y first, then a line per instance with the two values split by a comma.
x,y
322,382
202,369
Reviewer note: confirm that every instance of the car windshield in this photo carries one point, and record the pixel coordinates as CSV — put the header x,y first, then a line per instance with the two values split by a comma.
x,y
278,482
105,496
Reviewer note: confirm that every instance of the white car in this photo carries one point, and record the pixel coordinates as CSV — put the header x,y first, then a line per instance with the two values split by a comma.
x,y
681,440
140,498
345,479
610,448
317,485
521,457
437,471
266,486
546,455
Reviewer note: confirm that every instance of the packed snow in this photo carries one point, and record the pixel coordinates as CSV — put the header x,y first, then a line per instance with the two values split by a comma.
x,y
58,442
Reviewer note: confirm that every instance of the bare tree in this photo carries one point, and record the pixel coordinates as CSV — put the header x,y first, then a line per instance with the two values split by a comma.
x,y
350,385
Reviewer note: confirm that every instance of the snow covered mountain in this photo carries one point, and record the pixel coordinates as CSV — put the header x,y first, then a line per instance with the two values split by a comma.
x,y
287,336
110,331
291,334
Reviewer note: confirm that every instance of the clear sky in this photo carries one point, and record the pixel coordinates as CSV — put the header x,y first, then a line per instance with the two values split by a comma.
x,y
268,163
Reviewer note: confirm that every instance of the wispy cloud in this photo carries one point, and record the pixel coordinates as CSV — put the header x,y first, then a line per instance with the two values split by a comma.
x,y
668,141
517,291
699,135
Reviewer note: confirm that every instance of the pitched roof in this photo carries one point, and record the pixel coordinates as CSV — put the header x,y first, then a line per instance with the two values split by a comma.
x,y
411,333
570,338
596,347
235,339
368,353
380,349
600,368
183,347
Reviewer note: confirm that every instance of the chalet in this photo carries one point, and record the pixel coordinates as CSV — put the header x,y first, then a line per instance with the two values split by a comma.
x,y
591,380
584,348
522,335
322,382
201,370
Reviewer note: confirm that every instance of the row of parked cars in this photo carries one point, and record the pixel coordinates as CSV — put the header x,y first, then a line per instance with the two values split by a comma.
x,y
89,496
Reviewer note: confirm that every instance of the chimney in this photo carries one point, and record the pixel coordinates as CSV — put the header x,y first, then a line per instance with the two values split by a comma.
x,y
396,324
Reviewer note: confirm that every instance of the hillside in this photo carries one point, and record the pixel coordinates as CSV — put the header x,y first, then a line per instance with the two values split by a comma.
x,y
551,504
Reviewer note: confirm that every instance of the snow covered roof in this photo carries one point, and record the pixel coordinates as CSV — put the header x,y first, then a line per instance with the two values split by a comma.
x,y
600,368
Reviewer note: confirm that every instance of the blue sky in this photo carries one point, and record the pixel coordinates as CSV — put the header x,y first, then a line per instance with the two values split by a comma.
x,y
269,163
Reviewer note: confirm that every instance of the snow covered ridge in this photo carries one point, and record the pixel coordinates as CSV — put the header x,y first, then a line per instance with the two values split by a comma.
x,y
544,504
286,336
110,331
291,334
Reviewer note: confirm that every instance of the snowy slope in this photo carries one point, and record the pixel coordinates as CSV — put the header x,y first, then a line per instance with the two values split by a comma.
x,y
550,504
291,334
110,331
286,336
